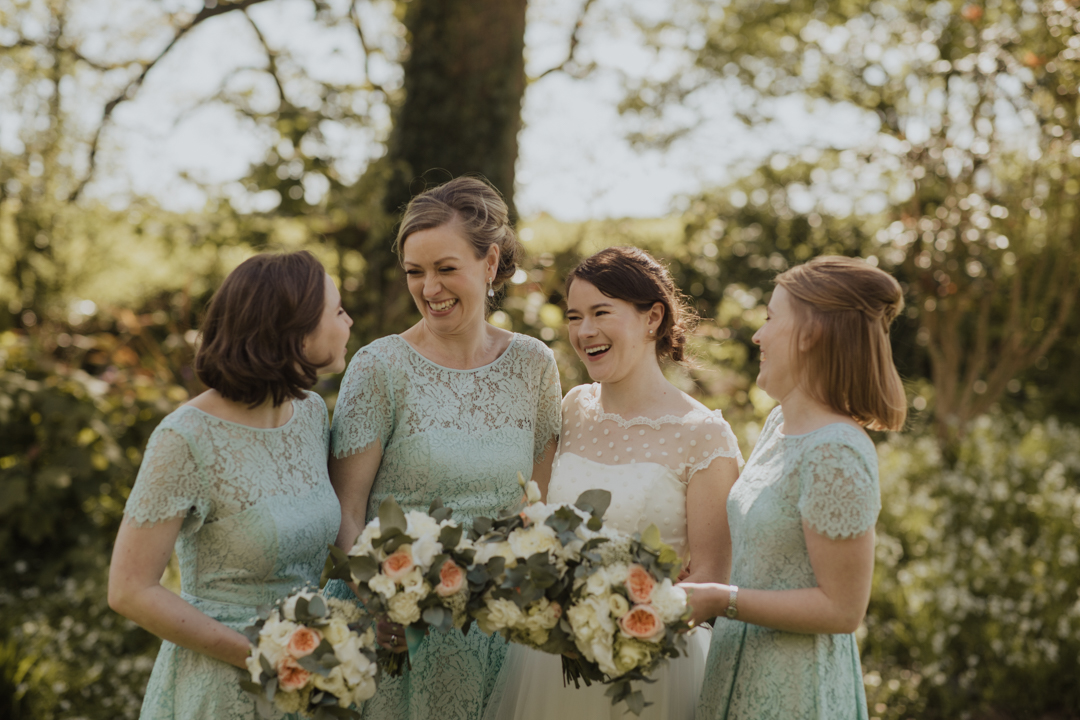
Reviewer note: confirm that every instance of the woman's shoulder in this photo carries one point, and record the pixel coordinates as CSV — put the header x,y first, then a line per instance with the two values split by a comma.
x,y
531,347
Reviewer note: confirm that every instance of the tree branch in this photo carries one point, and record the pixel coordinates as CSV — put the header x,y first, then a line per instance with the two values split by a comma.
x,y
575,40
129,90
271,58
354,15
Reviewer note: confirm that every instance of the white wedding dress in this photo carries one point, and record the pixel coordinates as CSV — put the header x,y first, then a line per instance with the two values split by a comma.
x,y
646,464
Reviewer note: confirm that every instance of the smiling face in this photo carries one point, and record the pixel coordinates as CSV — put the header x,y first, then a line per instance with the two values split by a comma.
x,y
778,339
611,336
446,280
325,346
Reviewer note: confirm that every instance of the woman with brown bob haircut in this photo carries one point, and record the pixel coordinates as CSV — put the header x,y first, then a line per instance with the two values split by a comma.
x,y
236,479
452,408
802,514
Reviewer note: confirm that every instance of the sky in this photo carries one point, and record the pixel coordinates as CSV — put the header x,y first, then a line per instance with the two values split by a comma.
x,y
575,162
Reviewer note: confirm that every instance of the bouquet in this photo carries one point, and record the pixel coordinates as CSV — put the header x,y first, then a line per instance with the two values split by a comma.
x,y
410,567
524,567
626,615
311,656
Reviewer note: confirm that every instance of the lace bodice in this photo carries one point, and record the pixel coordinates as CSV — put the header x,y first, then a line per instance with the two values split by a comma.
x,y
258,512
828,479
645,463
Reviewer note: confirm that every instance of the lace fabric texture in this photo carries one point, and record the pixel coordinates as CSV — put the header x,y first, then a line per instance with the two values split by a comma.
x,y
461,436
827,478
258,511
646,465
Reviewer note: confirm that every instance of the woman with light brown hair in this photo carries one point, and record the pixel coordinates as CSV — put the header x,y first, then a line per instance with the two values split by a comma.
x,y
802,514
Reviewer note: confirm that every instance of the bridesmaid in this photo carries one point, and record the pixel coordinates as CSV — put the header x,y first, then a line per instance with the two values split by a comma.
x,y
452,408
236,480
802,514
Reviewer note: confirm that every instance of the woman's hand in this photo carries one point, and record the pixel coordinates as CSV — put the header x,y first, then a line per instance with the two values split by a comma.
x,y
391,636
706,600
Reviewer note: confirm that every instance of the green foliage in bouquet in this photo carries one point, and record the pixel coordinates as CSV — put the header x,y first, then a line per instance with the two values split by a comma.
x,y
975,610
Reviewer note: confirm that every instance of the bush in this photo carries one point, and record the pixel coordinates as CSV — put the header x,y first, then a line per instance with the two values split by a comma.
x,y
976,603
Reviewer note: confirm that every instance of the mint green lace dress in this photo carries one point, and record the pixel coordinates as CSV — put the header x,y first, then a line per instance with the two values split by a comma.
x,y
462,436
258,512
828,478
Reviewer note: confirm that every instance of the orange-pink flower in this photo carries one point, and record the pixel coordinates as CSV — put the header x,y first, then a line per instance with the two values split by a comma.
x,y
303,641
451,579
642,622
290,675
399,564
639,584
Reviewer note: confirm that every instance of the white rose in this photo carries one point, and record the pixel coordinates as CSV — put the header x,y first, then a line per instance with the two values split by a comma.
x,y
499,614
597,583
420,524
403,609
354,664
526,542
532,492
273,639
487,550
425,549
669,600
365,690
538,513
630,654
363,544
618,605
414,583
333,683
336,631
383,585
254,666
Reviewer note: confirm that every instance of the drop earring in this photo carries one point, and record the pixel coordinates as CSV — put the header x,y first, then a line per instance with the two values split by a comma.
x,y
491,290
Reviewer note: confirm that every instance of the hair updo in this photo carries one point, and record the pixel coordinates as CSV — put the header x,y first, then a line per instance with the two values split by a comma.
x,y
480,213
849,305
635,276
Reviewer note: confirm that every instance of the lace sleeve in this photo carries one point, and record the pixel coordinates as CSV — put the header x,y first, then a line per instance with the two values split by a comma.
x,y
169,484
548,410
716,439
364,413
839,495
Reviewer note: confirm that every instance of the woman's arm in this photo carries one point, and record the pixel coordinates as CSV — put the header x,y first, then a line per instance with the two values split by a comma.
x,y
138,561
352,478
541,473
843,568
707,521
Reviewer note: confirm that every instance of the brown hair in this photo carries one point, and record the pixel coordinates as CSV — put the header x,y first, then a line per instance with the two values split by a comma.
x,y
480,213
849,305
635,276
253,332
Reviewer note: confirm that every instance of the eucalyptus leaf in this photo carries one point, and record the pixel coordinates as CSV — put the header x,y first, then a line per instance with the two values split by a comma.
x,y
651,538
302,614
317,607
270,689
482,525
434,616
450,536
363,568
391,516
597,500
267,668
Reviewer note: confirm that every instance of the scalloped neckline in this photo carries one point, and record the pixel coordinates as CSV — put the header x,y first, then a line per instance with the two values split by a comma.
x,y
592,403
417,353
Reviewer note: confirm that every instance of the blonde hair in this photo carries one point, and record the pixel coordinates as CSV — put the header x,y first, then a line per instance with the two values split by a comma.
x,y
849,306
480,213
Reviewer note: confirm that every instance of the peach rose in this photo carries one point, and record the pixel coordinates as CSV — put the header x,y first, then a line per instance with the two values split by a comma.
x,y
451,579
290,675
303,641
399,564
642,622
639,584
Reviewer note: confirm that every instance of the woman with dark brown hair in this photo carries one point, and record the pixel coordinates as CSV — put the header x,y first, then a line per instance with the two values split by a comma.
x,y
452,408
236,480
802,515
667,460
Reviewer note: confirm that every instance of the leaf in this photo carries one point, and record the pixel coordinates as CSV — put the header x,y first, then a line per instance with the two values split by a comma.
x,y
595,524
436,504
391,516
267,668
496,566
594,501
450,536
482,525
252,687
317,607
302,614
363,568
651,538
635,702
271,688
435,616
251,632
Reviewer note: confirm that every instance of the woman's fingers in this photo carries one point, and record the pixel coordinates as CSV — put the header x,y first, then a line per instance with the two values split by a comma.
x,y
391,636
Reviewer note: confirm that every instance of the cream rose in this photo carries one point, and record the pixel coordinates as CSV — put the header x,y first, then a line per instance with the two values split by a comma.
x,y
334,683
669,600
273,639
403,609
499,614
425,549
383,585
336,631
618,605
630,654
420,524
526,542
487,550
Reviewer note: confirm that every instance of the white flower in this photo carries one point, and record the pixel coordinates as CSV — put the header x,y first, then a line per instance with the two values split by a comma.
x,y
499,614
594,631
425,549
363,544
538,513
254,666
669,600
403,608
347,611
288,609
414,583
597,583
420,524
487,550
364,690
532,492
334,683
383,585
274,638
336,631
354,664
618,605
526,542
631,654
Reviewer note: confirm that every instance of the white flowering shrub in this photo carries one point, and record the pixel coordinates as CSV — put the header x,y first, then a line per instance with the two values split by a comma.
x,y
976,603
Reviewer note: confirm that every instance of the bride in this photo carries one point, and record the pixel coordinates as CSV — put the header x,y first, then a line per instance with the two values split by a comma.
x,y
666,459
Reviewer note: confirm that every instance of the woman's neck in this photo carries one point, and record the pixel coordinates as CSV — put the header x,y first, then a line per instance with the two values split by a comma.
x,y
265,415
803,413
473,347
644,392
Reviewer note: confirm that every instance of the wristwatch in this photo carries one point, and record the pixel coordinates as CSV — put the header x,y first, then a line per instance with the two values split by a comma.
x,y
733,602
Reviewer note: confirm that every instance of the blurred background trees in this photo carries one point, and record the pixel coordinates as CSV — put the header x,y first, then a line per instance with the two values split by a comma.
x,y
966,190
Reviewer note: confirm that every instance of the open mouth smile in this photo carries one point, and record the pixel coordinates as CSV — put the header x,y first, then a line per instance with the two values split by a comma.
x,y
442,306
597,350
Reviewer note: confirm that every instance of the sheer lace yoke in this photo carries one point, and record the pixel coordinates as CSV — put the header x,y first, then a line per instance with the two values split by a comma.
x,y
683,444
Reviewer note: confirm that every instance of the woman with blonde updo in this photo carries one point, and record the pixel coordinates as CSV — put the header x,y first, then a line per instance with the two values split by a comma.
x,y
802,515
452,408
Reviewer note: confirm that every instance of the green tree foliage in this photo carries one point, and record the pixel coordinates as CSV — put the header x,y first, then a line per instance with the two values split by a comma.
x,y
976,107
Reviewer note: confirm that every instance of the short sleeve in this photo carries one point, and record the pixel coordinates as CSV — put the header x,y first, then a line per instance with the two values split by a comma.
x,y
364,413
169,484
715,439
548,409
839,495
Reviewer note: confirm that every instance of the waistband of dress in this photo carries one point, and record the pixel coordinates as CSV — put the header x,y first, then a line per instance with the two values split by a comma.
x,y
223,610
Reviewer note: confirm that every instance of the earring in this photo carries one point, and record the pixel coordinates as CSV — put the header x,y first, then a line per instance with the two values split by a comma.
x,y
491,290
651,332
